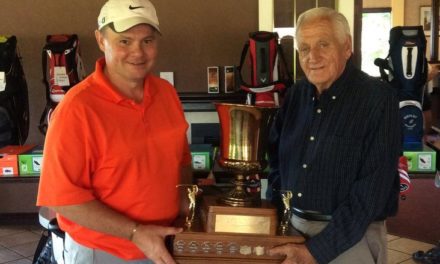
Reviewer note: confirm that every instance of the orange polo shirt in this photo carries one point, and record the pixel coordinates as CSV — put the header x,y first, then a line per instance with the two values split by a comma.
x,y
101,145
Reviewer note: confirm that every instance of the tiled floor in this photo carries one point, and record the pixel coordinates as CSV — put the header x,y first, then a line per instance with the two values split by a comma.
x,y
18,243
400,249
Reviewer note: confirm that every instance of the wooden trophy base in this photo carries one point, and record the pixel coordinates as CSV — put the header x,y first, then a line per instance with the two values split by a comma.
x,y
235,242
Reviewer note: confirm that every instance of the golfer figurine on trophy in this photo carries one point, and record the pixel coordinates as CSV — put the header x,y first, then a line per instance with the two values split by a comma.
x,y
284,224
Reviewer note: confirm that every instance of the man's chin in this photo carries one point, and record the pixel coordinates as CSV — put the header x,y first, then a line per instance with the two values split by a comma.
x,y
139,74
315,79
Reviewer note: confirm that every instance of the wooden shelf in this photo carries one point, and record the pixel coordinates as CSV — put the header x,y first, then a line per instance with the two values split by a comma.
x,y
199,102
18,179
422,175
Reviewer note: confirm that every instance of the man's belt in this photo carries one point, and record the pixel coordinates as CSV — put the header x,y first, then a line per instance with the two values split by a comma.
x,y
311,215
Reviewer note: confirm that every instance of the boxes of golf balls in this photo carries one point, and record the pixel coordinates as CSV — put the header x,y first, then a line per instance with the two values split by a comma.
x,y
30,162
421,160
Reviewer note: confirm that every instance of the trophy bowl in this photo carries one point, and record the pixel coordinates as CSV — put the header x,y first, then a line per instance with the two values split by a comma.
x,y
244,131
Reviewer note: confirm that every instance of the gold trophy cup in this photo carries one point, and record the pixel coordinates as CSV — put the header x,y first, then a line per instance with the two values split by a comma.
x,y
243,144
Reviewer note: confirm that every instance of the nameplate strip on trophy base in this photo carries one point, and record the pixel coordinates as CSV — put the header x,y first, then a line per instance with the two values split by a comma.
x,y
192,246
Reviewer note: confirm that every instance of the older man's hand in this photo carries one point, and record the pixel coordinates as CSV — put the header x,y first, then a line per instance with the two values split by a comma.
x,y
295,254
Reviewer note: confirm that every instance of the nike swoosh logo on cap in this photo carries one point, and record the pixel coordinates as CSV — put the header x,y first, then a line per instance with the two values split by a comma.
x,y
134,7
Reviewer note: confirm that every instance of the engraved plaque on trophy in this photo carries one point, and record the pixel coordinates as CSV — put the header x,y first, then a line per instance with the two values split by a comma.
x,y
236,226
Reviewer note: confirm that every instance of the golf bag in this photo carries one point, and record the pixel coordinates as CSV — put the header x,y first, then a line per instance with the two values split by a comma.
x,y
405,181
14,101
269,75
407,71
51,245
62,69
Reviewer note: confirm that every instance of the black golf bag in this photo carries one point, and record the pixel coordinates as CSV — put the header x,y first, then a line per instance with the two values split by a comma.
x,y
407,71
14,101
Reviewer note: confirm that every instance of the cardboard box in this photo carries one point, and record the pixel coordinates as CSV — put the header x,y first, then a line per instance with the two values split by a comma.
x,y
9,159
421,161
201,156
213,79
30,162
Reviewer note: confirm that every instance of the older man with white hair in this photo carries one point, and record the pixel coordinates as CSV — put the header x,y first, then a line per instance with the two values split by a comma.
x,y
336,143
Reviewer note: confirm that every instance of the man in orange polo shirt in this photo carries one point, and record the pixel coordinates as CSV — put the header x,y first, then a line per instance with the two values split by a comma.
x,y
116,148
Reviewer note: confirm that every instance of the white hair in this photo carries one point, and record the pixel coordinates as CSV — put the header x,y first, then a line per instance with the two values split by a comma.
x,y
340,23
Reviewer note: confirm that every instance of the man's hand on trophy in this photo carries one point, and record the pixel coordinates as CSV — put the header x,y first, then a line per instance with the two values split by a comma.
x,y
295,254
150,239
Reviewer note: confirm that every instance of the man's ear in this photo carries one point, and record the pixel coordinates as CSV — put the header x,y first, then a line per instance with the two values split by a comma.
x,y
348,47
100,39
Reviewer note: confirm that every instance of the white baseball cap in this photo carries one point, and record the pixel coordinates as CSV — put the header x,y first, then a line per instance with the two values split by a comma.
x,y
125,14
